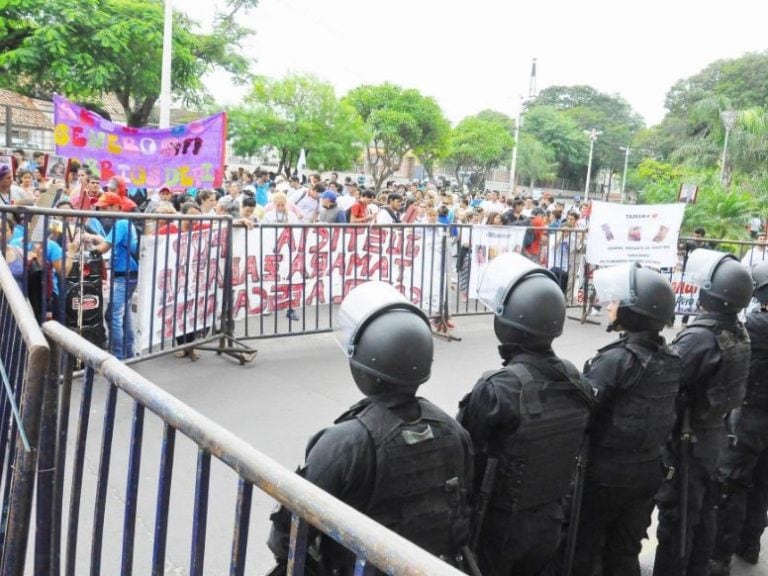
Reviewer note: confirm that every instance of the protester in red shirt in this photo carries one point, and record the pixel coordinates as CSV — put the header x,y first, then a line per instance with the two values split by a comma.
x,y
539,225
360,213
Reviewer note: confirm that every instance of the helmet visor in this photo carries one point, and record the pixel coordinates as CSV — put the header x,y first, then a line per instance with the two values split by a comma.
x,y
362,304
500,276
614,284
701,266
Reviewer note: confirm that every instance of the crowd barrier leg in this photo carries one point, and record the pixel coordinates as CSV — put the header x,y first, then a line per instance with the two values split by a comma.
x,y
228,344
442,320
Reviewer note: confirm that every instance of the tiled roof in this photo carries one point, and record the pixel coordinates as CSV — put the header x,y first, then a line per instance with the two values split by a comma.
x,y
27,112
32,113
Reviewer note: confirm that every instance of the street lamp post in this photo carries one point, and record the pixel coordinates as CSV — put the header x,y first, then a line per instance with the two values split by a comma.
x,y
593,134
624,175
165,74
513,167
729,120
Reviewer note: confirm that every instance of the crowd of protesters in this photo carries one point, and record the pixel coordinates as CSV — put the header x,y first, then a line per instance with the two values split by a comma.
x,y
250,198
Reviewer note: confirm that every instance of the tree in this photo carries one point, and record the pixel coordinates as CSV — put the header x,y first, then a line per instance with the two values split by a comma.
x,y
399,122
298,111
496,116
562,135
608,113
478,144
85,49
535,160
742,81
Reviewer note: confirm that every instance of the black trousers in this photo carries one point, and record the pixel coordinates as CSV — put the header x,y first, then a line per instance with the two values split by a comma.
x,y
743,476
520,544
700,525
612,525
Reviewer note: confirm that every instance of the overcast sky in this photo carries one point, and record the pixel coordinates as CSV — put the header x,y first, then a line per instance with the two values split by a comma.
x,y
475,55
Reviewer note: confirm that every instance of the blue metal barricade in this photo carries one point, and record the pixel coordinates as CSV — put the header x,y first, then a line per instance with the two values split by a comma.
x,y
24,356
371,543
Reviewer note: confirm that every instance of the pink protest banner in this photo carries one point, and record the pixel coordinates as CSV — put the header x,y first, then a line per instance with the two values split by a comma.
x,y
179,157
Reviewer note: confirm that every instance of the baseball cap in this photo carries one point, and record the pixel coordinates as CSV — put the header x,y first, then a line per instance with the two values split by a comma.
x,y
4,169
329,195
165,189
109,199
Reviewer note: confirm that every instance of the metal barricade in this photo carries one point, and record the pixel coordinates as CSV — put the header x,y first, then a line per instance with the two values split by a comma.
x,y
167,292
371,543
560,250
24,355
287,279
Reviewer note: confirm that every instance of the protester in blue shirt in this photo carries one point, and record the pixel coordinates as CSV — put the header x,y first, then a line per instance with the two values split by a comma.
x,y
262,185
43,266
123,241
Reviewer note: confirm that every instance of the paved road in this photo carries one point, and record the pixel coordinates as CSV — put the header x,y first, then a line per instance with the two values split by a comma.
x,y
294,387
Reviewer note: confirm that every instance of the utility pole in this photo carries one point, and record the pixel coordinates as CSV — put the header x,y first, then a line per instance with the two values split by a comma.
x,y
513,168
165,75
518,122
624,175
593,134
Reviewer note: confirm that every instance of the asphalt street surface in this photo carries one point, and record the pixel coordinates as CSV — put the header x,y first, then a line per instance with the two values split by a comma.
x,y
294,387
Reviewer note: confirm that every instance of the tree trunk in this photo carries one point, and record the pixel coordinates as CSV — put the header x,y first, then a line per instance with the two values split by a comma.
x,y
283,154
139,116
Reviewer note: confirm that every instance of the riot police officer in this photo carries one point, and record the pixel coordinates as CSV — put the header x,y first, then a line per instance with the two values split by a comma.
x,y
715,352
743,473
636,378
526,421
393,456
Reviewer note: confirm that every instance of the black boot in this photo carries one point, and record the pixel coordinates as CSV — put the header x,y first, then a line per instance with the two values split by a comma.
x,y
719,567
750,553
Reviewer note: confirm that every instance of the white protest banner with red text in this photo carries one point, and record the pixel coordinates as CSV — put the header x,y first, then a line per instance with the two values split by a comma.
x,y
686,295
184,295
276,268
317,265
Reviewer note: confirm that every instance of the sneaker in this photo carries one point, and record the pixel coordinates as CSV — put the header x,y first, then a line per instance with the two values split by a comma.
x,y
750,554
291,315
595,312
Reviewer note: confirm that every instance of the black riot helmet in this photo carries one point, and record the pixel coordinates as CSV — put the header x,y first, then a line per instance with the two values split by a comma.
x,y
387,339
644,297
760,277
725,285
527,302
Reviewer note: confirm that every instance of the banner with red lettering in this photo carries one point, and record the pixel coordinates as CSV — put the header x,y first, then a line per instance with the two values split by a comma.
x,y
686,295
179,157
180,285
275,268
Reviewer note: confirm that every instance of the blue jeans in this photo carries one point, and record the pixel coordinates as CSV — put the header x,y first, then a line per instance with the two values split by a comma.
x,y
120,316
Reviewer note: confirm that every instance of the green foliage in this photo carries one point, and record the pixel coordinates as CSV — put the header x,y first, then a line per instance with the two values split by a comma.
x,y
399,122
87,48
561,134
535,160
479,143
496,116
741,81
588,109
723,213
298,111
